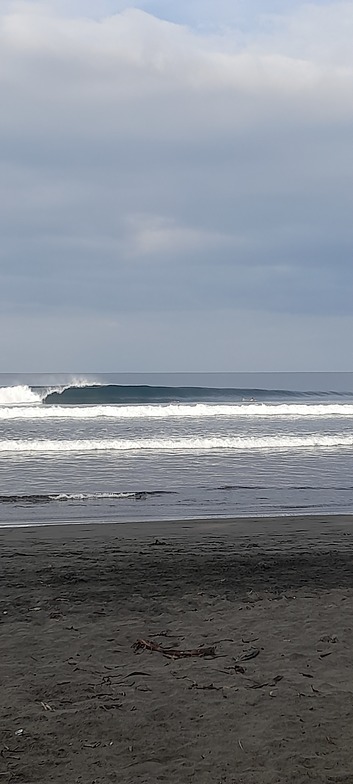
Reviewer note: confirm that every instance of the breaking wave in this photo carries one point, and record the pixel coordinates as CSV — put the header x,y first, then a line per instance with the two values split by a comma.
x,y
23,394
81,393
184,444
176,410
43,498
141,394
19,395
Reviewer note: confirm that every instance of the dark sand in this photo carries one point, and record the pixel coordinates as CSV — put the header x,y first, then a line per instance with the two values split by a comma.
x,y
275,705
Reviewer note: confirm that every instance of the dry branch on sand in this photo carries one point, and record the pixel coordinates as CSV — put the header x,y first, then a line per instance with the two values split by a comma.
x,y
173,653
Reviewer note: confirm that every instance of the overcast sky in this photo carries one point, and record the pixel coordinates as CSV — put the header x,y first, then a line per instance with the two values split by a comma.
x,y
176,185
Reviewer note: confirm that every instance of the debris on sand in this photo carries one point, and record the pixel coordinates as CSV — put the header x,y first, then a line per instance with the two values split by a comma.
x,y
174,653
250,654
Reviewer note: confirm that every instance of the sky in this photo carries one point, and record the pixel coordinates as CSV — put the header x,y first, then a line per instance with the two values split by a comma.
x,y
176,185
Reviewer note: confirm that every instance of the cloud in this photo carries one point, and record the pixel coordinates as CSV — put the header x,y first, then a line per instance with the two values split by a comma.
x,y
155,164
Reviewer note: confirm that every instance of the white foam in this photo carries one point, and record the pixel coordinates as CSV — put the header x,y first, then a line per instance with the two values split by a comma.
x,y
89,496
186,444
18,395
12,409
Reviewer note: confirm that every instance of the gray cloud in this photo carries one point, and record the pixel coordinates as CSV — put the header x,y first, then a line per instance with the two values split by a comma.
x,y
153,178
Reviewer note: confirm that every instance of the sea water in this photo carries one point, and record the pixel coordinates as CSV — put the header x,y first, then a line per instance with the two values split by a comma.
x,y
119,447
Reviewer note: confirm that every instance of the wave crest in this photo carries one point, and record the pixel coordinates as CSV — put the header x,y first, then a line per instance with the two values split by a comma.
x,y
186,444
288,411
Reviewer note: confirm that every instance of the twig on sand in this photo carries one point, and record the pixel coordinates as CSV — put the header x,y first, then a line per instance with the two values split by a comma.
x,y
46,706
110,706
131,674
209,687
330,740
91,745
174,653
251,654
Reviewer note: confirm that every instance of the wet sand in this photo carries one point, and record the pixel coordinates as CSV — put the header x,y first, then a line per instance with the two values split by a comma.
x,y
274,598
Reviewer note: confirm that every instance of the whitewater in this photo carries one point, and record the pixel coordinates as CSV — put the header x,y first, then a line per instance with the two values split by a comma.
x,y
121,448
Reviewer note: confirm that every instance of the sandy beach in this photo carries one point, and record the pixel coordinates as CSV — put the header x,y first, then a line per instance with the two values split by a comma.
x,y
272,702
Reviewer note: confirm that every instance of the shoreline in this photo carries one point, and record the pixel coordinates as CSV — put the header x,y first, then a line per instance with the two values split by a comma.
x,y
297,532
232,518
213,518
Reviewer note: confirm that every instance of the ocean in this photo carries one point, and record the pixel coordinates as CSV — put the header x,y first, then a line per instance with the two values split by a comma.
x,y
123,447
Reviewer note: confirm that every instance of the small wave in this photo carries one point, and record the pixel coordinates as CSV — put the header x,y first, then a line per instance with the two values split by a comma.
x,y
139,495
41,498
19,395
186,444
